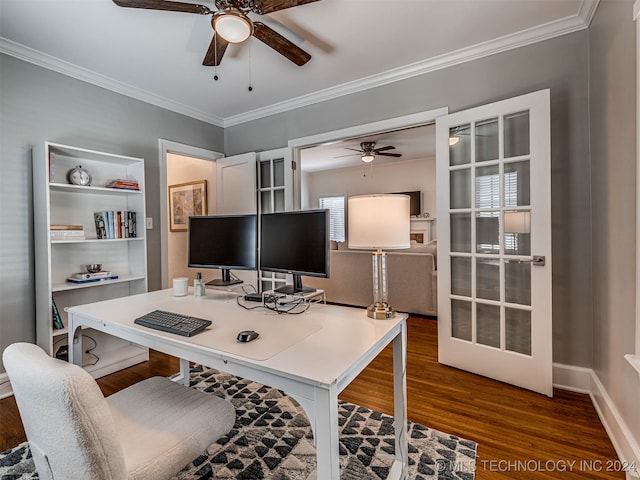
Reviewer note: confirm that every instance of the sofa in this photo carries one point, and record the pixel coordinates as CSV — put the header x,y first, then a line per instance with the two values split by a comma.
x,y
411,278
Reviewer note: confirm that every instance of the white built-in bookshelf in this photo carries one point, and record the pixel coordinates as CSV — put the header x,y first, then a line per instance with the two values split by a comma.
x,y
58,203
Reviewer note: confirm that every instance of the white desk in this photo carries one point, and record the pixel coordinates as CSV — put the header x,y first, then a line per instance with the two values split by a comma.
x,y
312,356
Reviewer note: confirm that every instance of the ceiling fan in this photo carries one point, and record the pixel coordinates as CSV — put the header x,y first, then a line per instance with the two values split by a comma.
x,y
231,24
368,151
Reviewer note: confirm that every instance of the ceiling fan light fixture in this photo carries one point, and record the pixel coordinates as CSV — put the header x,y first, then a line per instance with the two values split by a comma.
x,y
232,25
368,157
453,140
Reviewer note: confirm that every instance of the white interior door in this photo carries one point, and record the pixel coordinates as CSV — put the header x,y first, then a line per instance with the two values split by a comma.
x,y
236,194
236,184
494,241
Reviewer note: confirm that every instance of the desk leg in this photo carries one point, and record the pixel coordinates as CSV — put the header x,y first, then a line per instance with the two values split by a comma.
x,y
326,414
399,469
184,377
185,372
74,342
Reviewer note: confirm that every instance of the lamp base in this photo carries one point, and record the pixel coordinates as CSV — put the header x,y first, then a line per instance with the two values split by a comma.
x,y
380,311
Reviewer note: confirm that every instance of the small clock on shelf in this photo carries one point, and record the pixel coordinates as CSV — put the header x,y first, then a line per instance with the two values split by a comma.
x,y
79,176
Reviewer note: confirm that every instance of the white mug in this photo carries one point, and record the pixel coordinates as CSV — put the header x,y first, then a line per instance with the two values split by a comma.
x,y
180,286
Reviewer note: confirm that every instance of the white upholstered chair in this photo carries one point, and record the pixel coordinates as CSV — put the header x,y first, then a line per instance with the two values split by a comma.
x,y
150,430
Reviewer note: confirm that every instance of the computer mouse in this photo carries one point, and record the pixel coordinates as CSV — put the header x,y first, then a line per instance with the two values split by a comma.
x,y
247,335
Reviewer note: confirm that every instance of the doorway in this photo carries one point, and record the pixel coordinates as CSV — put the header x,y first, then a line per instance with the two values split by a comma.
x,y
180,163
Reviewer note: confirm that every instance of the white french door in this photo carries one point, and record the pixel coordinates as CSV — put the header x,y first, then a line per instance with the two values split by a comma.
x,y
494,241
275,194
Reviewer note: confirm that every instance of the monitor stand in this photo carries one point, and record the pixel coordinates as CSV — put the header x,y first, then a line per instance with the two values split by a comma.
x,y
225,280
296,287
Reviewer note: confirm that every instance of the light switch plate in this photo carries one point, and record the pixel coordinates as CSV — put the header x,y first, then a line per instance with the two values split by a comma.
x,y
149,223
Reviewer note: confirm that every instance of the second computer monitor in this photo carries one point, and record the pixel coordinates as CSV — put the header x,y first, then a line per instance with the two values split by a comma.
x,y
296,243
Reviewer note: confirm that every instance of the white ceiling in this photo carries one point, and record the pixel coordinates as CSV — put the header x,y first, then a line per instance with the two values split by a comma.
x,y
156,56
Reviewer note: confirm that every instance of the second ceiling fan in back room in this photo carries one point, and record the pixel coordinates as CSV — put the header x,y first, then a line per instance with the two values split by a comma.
x,y
231,24
368,152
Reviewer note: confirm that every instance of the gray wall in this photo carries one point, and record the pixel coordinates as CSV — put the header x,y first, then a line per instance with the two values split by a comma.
x,y
560,64
613,164
38,105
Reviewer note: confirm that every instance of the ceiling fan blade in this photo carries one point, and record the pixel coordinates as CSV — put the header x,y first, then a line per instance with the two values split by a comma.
x,y
284,47
267,6
354,149
382,149
382,154
164,5
347,155
216,51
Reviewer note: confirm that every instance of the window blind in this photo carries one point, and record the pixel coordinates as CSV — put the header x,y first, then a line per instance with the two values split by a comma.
x,y
335,205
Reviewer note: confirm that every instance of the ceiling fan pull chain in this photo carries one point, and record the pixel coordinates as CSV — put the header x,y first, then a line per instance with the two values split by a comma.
x,y
215,54
250,58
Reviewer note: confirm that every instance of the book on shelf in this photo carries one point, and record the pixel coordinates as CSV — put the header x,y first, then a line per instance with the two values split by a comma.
x,y
124,184
55,315
91,280
66,232
87,275
115,224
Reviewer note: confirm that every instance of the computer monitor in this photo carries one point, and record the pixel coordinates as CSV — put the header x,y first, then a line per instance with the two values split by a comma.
x,y
225,242
296,243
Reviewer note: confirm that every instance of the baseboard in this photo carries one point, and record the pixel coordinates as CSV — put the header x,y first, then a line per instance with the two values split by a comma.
x,y
574,379
585,380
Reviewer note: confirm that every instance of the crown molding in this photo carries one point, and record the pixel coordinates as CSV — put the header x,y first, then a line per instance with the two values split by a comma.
x,y
52,63
557,28
570,24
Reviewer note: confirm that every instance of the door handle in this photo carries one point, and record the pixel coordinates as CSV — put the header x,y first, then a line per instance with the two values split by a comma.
x,y
537,260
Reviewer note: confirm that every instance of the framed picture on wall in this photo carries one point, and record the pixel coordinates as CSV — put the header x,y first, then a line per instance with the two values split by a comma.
x,y
186,200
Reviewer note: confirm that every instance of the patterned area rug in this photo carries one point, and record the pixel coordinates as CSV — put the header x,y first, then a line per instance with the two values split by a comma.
x,y
272,440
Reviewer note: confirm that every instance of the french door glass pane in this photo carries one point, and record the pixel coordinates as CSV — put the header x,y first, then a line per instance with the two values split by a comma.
x,y
516,184
265,202
488,321
460,145
517,330
488,279
265,174
517,236
461,276
461,320
487,187
487,140
516,134
488,232
278,199
460,188
517,282
278,172
461,232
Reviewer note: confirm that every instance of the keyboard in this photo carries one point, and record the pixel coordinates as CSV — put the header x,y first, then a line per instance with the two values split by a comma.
x,y
173,323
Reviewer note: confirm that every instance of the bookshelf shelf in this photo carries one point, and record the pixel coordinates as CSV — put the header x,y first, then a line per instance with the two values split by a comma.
x,y
61,287
90,189
101,240
59,203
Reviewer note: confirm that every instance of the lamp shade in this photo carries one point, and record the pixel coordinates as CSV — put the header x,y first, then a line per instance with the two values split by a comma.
x,y
379,221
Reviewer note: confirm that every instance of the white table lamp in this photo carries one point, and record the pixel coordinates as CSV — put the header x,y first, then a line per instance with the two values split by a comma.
x,y
379,221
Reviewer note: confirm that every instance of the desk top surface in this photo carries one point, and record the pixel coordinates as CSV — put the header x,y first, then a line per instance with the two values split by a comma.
x,y
321,344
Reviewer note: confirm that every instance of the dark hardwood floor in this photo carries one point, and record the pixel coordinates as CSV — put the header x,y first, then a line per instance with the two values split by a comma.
x,y
520,434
